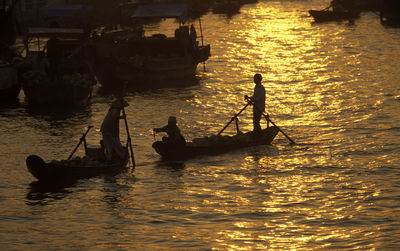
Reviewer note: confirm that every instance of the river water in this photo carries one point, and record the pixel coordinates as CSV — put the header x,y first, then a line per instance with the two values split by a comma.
x,y
333,88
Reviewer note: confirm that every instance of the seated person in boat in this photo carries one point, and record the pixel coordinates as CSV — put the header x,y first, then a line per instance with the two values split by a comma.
x,y
110,131
174,138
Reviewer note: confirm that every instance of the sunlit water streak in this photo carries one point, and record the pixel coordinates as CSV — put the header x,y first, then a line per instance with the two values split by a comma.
x,y
332,87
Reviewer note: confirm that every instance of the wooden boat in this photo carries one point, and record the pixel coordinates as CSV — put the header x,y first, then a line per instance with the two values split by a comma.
x,y
331,15
58,76
143,62
93,164
216,144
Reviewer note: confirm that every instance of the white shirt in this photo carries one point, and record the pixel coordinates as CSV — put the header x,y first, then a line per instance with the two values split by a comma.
x,y
259,96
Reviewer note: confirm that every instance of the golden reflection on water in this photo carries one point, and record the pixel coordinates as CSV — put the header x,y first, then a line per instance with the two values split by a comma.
x,y
292,57
300,64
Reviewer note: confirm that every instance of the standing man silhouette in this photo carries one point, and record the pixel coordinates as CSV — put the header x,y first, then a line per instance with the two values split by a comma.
x,y
259,102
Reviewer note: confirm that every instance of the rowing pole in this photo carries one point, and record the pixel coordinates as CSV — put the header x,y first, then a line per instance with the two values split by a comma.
x,y
80,141
233,118
129,143
249,101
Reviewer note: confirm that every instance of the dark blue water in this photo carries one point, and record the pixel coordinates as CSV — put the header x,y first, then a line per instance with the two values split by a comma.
x,y
333,88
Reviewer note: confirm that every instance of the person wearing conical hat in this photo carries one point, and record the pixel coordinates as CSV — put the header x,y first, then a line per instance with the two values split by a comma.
x,y
110,131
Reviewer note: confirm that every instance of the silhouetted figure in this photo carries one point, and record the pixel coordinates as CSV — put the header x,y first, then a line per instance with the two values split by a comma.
x,y
110,131
174,138
259,102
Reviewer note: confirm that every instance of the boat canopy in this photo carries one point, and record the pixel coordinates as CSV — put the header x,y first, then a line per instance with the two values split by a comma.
x,y
76,11
178,11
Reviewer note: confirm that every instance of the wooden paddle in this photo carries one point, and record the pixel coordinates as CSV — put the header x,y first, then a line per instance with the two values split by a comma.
x,y
266,116
233,118
129,143
82,139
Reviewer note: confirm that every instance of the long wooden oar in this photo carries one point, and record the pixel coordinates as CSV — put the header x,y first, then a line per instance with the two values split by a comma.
x,y
233,118
249,101
127,133
82,139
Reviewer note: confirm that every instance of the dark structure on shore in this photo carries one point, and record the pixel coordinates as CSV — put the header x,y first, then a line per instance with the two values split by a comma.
x,y
8,26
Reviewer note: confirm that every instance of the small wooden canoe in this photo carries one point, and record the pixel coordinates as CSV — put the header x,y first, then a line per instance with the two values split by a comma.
x,y
93,164
216,144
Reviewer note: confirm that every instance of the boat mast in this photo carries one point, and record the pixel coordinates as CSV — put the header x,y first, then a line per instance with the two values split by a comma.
x,y
201,32
202,42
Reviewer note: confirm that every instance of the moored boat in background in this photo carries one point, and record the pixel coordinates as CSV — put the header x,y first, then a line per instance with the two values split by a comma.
x,y
144,62
60,75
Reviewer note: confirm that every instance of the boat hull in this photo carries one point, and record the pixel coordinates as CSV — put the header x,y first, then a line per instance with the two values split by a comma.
x,y
71,170
216,145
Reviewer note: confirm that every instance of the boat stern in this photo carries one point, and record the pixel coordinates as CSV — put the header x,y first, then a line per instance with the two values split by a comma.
x,y
34,164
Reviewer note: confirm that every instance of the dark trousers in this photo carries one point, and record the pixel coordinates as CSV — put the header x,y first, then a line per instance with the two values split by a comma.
x,y
256,120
